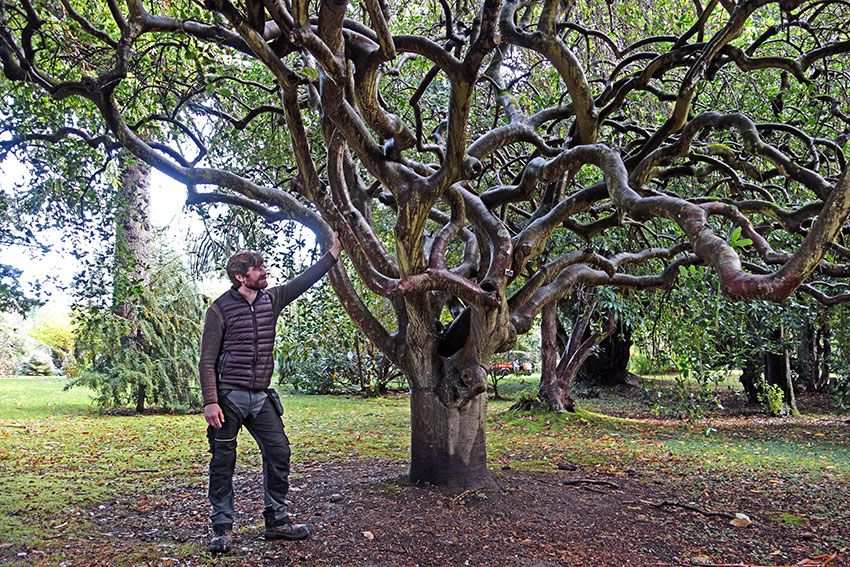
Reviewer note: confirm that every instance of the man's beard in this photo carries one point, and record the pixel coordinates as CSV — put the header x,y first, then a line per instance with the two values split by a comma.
x,y
259,285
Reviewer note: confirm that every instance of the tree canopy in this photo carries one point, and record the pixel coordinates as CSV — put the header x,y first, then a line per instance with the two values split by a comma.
x,y
479,159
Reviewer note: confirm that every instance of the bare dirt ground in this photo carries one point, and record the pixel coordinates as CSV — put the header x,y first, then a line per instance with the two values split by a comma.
x,y
364,513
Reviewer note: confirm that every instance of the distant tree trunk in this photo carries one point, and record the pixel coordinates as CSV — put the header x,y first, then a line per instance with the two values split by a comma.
x,y
557,376
808,358
750,376
364,378
813,358
385,371
777,370
610,365
141,393
788,387
824,352
494,383
549,355
133,238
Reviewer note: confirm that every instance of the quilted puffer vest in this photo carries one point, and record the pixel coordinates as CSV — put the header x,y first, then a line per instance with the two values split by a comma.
x,y
246,358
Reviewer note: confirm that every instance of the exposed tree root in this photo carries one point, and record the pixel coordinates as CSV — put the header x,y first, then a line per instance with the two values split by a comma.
x,y
668,504
580,481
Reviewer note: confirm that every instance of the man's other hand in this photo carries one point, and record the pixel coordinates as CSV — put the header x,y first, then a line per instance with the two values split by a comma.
x,y
336,248
214,415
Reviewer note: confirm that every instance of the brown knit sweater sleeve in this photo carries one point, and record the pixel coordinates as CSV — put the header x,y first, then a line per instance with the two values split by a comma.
x,y
210,347
285,294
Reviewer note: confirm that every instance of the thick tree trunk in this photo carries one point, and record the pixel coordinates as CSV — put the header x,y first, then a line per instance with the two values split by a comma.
x,y
133,237
448,444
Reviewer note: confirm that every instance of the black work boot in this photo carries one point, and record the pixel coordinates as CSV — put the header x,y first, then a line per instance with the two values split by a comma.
x,y
221,540
288,531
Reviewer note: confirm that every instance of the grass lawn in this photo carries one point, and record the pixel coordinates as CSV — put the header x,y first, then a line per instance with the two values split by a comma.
x,y
24,397
59,457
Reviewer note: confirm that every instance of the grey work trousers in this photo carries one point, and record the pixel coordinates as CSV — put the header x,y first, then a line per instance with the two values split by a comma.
x,y
260,413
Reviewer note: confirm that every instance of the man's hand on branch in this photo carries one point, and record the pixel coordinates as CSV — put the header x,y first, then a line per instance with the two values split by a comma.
x,y
336,247
214,415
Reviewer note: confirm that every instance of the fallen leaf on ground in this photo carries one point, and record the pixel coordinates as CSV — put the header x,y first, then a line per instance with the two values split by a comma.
x,y
818,561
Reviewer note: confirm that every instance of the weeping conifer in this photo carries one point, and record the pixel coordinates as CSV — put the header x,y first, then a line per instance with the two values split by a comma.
x,y
161,360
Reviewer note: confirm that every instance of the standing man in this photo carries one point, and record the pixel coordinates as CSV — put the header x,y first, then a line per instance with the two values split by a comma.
x,y
236,369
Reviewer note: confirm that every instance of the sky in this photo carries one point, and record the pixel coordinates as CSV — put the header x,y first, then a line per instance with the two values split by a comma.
x,y
167,216
175,226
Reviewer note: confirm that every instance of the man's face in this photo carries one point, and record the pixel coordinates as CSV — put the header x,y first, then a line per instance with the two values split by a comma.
x,y
255,278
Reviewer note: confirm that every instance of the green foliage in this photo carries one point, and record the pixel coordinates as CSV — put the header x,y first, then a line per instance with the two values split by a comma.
x,y
736,241
313,340
319,371
839,391
642,364
151,353
321,351
771,397
55,330
36,365
12,297
704,336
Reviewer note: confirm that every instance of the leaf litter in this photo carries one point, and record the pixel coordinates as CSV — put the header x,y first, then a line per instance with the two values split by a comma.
x,y
531,518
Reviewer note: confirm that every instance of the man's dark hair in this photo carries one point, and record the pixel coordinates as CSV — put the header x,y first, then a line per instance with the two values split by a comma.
x,y
240,262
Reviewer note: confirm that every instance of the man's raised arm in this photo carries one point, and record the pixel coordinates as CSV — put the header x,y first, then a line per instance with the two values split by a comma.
x,y
285,294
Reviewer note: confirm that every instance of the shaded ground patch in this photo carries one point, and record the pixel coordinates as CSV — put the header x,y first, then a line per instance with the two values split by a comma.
x,y
531,518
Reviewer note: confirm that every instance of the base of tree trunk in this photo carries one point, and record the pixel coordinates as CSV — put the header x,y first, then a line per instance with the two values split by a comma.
x,y
140,399
448,447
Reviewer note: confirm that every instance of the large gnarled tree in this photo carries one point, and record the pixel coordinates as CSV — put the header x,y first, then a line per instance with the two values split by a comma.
x,y
519,147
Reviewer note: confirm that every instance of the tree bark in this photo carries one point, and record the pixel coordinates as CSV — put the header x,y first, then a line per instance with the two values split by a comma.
x,y
808,362
557,376
788,387
824,352
447,444
133,237
549,358
141,394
